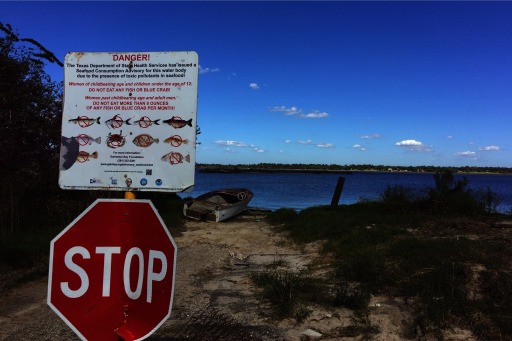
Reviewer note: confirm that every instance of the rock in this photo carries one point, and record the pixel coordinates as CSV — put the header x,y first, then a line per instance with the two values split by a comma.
x,y
311,334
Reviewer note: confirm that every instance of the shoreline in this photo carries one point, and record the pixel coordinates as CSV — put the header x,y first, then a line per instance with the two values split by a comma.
x,y
236,169
270,170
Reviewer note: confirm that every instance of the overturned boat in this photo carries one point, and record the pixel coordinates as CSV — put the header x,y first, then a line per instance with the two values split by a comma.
x,y
218,205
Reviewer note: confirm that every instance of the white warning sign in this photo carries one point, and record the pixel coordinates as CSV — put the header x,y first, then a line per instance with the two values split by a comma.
x,y
129,121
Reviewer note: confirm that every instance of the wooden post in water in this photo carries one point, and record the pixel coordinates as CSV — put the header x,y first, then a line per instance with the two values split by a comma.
x,y
337,192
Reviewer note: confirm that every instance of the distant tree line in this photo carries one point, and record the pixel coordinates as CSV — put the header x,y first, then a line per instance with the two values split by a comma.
x,y
348,168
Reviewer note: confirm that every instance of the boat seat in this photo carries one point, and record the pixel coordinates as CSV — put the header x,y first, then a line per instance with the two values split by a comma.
x,y
217,199
203,206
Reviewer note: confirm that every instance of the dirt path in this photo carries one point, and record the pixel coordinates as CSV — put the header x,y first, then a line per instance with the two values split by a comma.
x,y
211,278
214,296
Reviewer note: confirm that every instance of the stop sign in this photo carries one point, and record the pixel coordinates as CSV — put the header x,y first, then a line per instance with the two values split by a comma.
x,y
112,271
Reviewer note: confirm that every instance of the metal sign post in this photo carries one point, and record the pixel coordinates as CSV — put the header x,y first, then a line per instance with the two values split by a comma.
x,y
129,124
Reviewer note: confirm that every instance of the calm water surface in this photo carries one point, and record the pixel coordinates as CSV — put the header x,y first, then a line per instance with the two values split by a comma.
x,y
299,191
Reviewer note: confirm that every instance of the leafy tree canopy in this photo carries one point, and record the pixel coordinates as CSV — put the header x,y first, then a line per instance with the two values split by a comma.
x,y
30,112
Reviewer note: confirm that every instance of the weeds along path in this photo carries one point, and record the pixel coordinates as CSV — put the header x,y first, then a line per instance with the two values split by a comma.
x,y
215,298
212,287
215,261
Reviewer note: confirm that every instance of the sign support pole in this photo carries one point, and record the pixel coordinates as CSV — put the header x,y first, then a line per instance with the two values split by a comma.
x,y
128,196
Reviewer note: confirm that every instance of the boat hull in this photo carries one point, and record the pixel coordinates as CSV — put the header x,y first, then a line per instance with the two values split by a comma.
x,y
218,205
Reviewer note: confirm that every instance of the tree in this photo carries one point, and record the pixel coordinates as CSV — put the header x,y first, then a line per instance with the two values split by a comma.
x,y
445,182
30,112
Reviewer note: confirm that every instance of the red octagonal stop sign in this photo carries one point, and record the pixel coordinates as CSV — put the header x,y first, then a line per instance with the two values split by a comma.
x,y
112,271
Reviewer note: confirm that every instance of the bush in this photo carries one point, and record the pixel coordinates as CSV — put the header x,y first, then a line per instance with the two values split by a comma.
x,y
286,291
282,216
398,195
351,296
452,196
489,200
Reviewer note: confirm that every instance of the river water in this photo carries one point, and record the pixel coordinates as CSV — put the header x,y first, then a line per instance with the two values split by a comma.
x,y
300,190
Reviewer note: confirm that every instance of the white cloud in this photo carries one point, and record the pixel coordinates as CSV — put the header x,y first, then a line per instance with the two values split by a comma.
x,y
325,145
287,141
238,144
294,111
468,154
489,148
358,146
371,136
319,145
287,111
414,145
231,143
207,70
409,143
314,114
254,86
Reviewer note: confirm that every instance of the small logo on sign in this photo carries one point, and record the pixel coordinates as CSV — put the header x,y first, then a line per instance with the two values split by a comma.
x,y
95,181
113,181
158,182
143,182
149,172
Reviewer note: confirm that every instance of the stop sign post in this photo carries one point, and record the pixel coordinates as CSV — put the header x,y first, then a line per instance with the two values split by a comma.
x,y
112,271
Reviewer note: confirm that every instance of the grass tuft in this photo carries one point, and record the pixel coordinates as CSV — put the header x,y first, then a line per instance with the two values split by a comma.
x,y
286,291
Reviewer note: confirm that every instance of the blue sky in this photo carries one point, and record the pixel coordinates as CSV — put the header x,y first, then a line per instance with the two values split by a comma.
x,y
394,83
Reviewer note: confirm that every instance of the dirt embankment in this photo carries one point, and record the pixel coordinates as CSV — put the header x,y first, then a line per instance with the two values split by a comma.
x,y
214,295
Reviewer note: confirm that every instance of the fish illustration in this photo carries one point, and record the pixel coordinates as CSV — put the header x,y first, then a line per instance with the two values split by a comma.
x,y
178,122
116,140
144,140
174,158
117,122
175,140
84,139
84,121
84,156
145,122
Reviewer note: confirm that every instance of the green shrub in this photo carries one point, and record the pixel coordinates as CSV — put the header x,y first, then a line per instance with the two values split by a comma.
x,y
351,296
364,265
286,291
282,216
360,326
488,200
401,195
496,286
452,196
